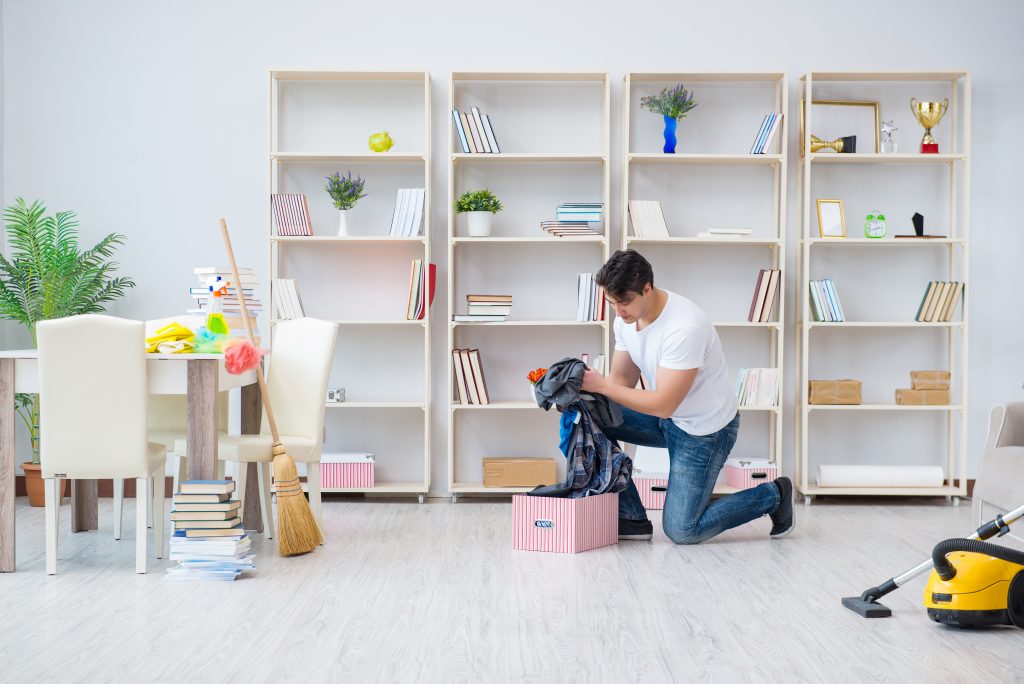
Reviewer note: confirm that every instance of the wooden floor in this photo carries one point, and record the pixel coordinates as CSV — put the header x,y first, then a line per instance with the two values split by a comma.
x,y
434,593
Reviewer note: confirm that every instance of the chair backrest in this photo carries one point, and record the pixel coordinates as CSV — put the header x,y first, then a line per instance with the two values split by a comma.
x,y
92,394
300,367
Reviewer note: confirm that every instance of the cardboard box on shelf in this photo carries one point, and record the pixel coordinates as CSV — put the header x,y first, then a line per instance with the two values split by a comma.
x,y
925,397
845,391
929,380
519,472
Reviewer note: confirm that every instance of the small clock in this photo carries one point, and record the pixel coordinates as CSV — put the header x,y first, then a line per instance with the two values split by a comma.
x,y
874,225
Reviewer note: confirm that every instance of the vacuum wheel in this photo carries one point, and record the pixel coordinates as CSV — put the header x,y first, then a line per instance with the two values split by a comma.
x,y
1015,600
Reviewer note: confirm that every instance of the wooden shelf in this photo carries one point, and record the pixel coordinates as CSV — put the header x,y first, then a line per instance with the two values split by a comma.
x,y
708,77
945,490
347,239
879,407
883,243
498,406
275,321
374,405
528,158
478,488
530,76
742,242
747,324
661,158
585,239
884,76
872,158
551,324
381,158
762,409
328,75
884,324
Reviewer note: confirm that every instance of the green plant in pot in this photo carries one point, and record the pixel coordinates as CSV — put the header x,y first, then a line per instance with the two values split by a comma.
x,y
46,275
479,206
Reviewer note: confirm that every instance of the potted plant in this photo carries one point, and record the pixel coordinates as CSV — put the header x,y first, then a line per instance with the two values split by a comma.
x,y
345,191
479,207
47,276
673,104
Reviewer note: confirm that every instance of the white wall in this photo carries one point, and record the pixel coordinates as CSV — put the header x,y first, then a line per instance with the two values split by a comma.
x,y
150,119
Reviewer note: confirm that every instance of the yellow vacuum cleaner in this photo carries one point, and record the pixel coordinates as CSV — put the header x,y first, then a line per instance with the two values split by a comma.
x,y
973,583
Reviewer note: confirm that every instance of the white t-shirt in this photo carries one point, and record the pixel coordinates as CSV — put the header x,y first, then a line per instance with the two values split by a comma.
x,y
680,338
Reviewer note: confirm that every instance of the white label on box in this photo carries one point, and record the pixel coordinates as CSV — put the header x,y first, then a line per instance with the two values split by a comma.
x,y
347,457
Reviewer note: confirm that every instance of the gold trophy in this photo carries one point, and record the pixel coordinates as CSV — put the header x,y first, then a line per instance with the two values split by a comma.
x,y
928,114
847,144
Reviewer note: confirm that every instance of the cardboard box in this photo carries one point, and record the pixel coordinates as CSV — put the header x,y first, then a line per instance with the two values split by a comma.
x,y
347,470
748,473
652,491
835,391
519,472
930,397
929,380
541,523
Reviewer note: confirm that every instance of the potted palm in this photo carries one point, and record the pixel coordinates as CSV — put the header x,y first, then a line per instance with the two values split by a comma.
x,y
47,276
479,206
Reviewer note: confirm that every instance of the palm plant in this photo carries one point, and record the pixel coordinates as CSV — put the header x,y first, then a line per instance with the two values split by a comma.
x,y
47,276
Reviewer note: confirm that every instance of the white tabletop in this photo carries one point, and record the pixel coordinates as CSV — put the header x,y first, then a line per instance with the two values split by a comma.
x,y
34,354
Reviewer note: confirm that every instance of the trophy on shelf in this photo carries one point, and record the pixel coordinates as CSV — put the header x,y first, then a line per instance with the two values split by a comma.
x,y
846,144
928,114
888,144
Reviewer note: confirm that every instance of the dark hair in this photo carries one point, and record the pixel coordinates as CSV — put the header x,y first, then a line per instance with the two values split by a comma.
x,y
626,271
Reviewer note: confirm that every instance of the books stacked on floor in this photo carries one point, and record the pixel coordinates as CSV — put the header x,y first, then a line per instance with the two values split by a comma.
x,y
825,306
484,308
590,303
474,132
470,387
422,279
207,276
407,221
766,134
758,387
291,214
286,299
208,542
647,219
726,233
766,294
939,302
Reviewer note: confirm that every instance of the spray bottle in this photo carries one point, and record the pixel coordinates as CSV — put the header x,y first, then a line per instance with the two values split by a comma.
x,y
215,322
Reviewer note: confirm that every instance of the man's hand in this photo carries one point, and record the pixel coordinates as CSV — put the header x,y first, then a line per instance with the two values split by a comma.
x,y
593,381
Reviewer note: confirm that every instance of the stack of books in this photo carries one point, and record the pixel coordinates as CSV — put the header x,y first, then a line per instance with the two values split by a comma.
x,y
207,275
939,302
209,542
470,387
569,228
286,299
766,134
758,387
590,303
825,306
726,233
766,294
576,218
485,308
407,221
422,279
647,219
474,132
291,214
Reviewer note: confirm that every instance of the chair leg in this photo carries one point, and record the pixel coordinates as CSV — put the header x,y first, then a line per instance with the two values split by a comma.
x,y
118,506
263,474
159,516
241,471
220,469
142,486
180,471
315,501
51,493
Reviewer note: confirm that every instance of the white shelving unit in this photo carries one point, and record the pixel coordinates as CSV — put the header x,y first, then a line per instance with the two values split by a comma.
x,y
554,133
710,157
885,279
319,123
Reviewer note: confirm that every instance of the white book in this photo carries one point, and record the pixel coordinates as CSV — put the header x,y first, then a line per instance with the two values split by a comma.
x,y
634,218
580,311
394,215
764,125
416,226
295,304
460,133
480,127
708,235
659,228
730,231
403,211
759,149
771,132
490,134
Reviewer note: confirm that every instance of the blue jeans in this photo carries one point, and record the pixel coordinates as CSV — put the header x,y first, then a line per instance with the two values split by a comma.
x,y
690,516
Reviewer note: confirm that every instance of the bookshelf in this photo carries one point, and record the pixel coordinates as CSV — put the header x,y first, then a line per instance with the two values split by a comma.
x,y
710,170
319,123
880,282
554,134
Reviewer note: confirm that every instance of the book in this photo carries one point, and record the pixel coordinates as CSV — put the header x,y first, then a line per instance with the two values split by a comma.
x,y
758,387
490,134
206,524
291,214
428,279
414,287
234,531
765,123
489,298
207,506
647,218
414,227
461,392
772,296
477,141
837,308
470,139
759,295
490,309
180,515
940,302
206,487
467,372
478,122
205,499
479,318
947,315
478,375
929,293
776,123
460,132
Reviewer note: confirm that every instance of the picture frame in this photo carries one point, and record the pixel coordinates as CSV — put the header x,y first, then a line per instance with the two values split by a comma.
x,y
831,218
845,117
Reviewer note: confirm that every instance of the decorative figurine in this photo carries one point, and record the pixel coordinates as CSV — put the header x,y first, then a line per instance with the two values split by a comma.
x,y
874,225
381,142
888,145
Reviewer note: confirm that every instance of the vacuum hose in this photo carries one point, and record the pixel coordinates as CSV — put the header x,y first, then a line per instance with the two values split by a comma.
x,y
945,569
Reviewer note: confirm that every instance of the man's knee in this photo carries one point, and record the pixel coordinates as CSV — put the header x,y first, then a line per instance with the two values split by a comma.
x,y
681,534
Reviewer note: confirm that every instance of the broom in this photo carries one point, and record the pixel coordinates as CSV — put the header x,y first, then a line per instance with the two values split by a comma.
x,y
297,529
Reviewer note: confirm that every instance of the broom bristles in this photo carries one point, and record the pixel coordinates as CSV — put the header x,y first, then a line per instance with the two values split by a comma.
x,y
297,529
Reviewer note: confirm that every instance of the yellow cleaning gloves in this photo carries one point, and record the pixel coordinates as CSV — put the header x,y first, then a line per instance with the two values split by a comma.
x,y
173,338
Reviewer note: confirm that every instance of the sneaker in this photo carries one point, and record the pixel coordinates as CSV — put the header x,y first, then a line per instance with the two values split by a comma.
x,y
783,520
635,530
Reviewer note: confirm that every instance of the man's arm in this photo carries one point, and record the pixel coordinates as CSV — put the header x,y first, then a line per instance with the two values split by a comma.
x,y
673,386
624,372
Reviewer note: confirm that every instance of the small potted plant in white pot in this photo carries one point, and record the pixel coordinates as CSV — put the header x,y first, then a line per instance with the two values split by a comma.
x,y
479,207
345,191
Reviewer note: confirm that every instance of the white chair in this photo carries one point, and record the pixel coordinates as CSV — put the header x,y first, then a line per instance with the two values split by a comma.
x,y
92,393
1000,484
299,369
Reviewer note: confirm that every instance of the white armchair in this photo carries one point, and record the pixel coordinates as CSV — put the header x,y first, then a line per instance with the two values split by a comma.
x,y
92,393
1000,482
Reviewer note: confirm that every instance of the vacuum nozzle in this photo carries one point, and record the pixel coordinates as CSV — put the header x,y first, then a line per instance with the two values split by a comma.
x,y
866,605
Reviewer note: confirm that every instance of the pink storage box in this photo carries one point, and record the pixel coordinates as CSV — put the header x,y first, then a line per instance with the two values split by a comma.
x,y
747,473
652,491
346,470
541,523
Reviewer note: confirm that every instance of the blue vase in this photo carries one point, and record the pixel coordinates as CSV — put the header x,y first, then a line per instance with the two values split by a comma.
x,y
670,135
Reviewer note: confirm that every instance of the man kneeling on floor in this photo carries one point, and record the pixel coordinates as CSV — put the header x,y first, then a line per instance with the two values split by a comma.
x,y
690,409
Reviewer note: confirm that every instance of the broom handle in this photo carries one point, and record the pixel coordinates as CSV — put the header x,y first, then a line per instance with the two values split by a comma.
x,y
248,330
